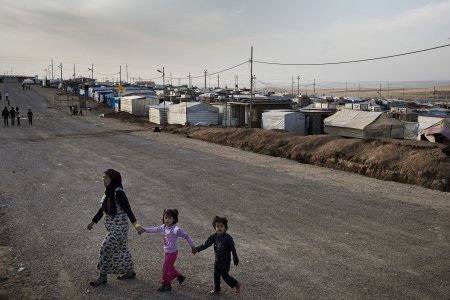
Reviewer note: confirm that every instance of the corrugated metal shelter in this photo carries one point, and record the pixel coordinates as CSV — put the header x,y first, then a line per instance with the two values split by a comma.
x,y
158,113
137,105
194,113
364,124
290,121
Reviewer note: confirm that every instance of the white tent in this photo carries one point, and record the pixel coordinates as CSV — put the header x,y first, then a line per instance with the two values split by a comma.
x,y
291,121
363,124
194,113
158,113
137,105
440,128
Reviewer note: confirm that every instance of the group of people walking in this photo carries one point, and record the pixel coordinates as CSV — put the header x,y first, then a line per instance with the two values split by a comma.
x,y
115,257
13,114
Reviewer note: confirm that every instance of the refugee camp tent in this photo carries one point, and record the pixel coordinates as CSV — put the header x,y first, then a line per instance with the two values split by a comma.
x,y
194,113
137,105
438,132
290,121
428,121
363,124
158,113
28,81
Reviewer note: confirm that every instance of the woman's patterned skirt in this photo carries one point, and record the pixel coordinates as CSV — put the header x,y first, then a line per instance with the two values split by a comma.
x,y
115,258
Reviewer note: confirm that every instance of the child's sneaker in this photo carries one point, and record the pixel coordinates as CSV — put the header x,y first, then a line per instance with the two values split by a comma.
x,y
181,279
165,288
238,288
213,292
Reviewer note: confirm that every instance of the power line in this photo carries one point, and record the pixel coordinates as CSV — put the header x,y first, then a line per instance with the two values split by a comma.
x,y
218,72
351,61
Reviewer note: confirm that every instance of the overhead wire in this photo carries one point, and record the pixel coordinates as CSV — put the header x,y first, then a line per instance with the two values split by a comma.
x,y
351,61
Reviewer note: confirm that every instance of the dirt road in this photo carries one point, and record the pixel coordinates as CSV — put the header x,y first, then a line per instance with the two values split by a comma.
x,y
301,231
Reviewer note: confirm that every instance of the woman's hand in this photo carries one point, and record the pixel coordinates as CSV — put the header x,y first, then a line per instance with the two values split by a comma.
x,y
90,225
194,250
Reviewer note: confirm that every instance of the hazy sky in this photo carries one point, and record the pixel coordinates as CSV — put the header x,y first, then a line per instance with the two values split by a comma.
x,y
194,35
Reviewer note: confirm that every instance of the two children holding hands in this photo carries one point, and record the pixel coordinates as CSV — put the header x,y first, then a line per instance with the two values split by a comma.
x,y
223,248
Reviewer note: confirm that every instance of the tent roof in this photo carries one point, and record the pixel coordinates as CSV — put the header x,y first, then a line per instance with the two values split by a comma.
x,y
349,118
193,107
443,131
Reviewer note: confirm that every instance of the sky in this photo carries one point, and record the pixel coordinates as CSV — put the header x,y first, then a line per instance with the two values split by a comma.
x,y
190,36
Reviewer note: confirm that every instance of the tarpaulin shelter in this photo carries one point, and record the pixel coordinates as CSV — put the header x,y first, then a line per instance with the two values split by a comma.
x,y
290,121
363,125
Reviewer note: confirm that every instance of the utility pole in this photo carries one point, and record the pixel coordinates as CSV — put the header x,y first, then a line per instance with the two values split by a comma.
x,y
92,71
251,88
292,85
236,82
298,86
380,93
218,85
74,71
52,68
120,74
205,77
189,84
314,85
60,66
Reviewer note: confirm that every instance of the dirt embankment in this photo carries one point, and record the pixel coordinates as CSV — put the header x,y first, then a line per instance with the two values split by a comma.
x,y
413,162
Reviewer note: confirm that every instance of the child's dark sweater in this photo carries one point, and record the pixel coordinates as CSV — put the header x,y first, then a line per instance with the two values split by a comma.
x,y
223,247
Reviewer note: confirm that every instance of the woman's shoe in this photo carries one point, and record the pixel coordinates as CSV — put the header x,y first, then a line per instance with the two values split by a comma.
x,y
127,275
99,281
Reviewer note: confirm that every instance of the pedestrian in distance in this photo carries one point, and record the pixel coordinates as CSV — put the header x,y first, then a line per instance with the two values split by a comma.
x,y
171,233
12,115
5,115
7,97
223,248
30,117
18,115
115,257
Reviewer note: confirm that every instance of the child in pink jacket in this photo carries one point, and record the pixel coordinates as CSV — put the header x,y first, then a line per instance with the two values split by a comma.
x,y
171,233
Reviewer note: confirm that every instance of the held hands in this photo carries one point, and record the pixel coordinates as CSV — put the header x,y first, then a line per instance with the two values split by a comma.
x,y
194,250
139,228
90,225
236,263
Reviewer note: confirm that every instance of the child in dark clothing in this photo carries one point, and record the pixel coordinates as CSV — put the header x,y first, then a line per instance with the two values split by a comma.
x,y
223,248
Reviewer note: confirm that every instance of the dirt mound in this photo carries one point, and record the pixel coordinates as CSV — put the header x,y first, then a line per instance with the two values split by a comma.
x,y
413,162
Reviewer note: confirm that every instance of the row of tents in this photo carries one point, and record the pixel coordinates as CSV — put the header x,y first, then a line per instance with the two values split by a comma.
x,y
364,125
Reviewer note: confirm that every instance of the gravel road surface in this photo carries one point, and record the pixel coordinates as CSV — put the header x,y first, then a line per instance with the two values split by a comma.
x,y
301,232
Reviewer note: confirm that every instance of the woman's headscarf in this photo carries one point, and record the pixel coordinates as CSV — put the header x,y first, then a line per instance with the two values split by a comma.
x,y
116,181
109,205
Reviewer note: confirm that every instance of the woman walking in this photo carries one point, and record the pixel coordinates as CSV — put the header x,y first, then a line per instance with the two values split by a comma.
x,y
30,117
115,258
